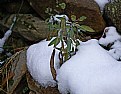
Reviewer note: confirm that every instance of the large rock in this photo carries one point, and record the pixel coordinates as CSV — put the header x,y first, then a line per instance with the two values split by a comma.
x,y
27,30
17,68
87,8
28,27
112,14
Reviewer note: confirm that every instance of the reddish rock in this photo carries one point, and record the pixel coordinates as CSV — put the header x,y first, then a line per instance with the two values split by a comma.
x,y
79,8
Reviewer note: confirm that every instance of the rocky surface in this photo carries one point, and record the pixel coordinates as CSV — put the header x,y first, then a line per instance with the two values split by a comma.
x,y
28,27
35,88
112,14
16,68
87,8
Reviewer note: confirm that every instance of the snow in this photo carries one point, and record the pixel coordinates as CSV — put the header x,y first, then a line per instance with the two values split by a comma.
x,y
57,18
115,50
102,3
3,40
112,37
6,36
1,63
91,71
38,63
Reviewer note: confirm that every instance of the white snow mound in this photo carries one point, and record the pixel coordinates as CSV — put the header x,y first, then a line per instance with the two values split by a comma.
x,y
91,71
38,63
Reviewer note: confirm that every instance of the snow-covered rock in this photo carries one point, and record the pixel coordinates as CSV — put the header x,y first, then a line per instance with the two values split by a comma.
x,y
115,50
91,71
38,63
110,36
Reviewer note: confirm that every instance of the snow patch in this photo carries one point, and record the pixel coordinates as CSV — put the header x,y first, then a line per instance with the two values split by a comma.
x,y
115,50
102,3
1,62
38,63
110,36
3,40
91,71
57,18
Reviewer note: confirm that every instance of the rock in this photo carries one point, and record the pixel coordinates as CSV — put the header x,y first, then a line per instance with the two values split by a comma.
x,y
16,66
35,88
87,8
15,43
27,30
28,27
112,14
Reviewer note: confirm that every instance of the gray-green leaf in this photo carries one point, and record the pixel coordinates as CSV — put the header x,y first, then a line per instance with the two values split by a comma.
x,y
62,5
82,18
73,17
69,45
71,33
55,42
63,23
86,28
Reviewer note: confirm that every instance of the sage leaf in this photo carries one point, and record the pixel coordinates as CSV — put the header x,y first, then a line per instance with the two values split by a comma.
x,y
73,17
69,42
54,42
82,18
62,5
86,28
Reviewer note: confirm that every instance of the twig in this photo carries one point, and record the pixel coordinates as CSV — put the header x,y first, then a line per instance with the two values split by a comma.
x,y
3,90
53,71
7,80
